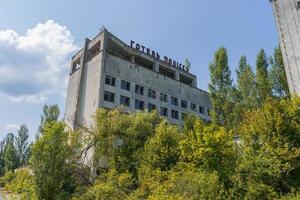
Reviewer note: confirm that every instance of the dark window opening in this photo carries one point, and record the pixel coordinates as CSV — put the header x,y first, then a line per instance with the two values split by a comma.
x,y
164,111
193,107
144,63
139,105
125,101
201,110
151,93
174,114
109,80
151,107
139,89
174,101
125,85
163,97
166,72
109,96
298,5
76,65
183,104
185,79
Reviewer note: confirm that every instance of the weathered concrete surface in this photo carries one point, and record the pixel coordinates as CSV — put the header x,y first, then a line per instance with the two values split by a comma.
x,y
287,16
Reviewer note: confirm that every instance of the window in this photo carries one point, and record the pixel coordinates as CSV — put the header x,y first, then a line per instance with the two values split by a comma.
x,y
193,107
163,97
164,111
184,116
298,5
139,89
174,114
174,101
139,105
109,96
151,107
183,104
109,80
125,85
201,110
125,101
151,93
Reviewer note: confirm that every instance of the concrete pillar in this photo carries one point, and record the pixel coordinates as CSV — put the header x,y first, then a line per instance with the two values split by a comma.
x,y
177,75
132,59
156,67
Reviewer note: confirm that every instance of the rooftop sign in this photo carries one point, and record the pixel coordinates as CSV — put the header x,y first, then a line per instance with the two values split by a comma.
x,y
156,55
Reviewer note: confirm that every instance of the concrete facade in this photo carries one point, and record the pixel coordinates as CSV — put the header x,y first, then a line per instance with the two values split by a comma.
x,y
108,73
287,16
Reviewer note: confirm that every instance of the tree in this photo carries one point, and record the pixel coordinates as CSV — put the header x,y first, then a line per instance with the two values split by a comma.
x,y
50,114
210,147
10,157
187,64
220,88
2,164
262,78
277,75
22,147
246,84
162,150
270,151
50,162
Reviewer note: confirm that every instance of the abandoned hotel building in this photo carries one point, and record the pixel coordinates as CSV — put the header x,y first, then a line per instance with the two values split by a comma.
x,y
108,73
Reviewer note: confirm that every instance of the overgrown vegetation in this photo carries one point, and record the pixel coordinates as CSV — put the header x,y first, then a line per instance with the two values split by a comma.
x,y
142,156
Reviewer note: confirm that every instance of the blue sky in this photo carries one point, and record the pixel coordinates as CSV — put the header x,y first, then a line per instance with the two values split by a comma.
x,y
38,37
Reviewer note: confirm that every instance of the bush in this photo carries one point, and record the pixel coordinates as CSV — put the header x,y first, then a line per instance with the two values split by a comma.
x,y
8,177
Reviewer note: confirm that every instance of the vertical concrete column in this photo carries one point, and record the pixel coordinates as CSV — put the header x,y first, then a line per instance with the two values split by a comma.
x,y
132,58
156,67
177,75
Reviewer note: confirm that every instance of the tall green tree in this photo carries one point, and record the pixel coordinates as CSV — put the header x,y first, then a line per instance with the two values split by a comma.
x,y
50,114
2,164
10,154
263,85
22,146
277,75
246,84
220,88
50,162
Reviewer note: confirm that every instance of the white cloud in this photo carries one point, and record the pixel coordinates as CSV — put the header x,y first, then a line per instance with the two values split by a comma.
x,y
12,128
36,64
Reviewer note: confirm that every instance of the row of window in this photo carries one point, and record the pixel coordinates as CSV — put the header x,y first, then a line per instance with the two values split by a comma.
x,y
140,105
125,85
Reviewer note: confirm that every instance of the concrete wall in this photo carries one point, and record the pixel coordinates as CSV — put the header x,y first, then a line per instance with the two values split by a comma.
x,y
135,74
287,17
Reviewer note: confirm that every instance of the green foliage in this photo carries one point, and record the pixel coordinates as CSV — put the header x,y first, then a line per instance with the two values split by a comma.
x,y
120,138
161,151
187,64
10,154
111,186
49,162
262,78
22,146
50,114
277,75
8,177
246,84
269,162
220,88
22,184
210,147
